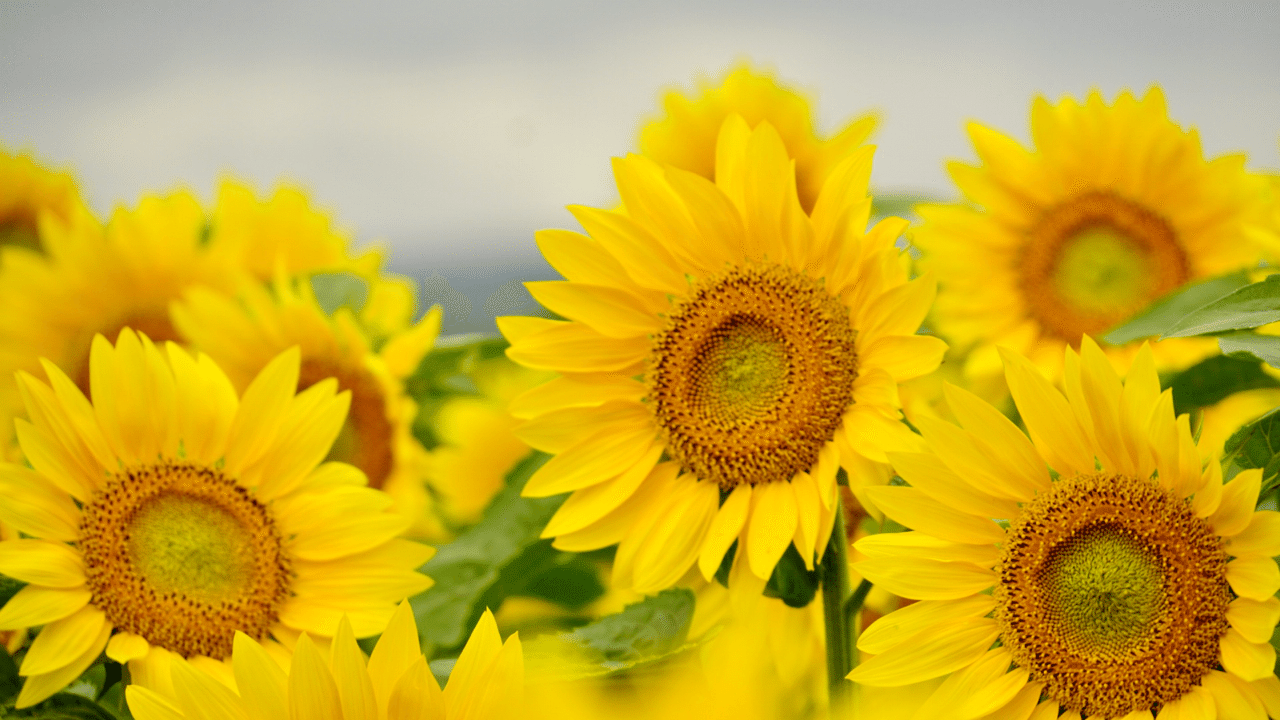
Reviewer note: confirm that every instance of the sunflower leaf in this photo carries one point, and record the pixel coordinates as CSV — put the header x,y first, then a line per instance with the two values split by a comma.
x,y
1248,307
339,289
66,706
1214,379
1256,445
10,683
467,570
1252,345
1169,310
643,632
791,582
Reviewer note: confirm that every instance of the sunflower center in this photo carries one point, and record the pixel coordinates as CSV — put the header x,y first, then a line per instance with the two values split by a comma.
x,y
752,374
1113,594
366,439
183,556
20,230
1094,261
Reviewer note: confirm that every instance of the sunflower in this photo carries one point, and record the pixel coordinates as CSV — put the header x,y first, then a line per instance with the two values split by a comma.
x,y
28,190
686,136
1115,207
395,683
168,514
1121,578
242,333
93,280
725,354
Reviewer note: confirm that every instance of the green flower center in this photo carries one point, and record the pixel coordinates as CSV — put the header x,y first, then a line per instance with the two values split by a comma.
x,y
188,545
1107,588
742,371
1100,271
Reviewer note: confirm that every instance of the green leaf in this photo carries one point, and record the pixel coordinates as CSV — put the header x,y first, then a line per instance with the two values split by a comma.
x,y
447,372
8,588
643,632
338,290
10,683
1213,379
1256,445
466,569
791,582
897,204
1252,345
1170,309
1249,307
66,706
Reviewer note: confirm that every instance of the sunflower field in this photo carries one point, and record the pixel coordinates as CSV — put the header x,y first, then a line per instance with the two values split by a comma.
x,y
774,447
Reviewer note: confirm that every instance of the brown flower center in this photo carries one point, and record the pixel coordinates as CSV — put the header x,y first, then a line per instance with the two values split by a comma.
x,y
1114,594
1094,261
184,556
752,374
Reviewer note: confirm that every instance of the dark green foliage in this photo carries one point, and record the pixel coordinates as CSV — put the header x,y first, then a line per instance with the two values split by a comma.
x,y
791,581
1213,379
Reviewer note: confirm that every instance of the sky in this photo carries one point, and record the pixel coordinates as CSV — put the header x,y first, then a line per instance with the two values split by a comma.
x,y
450,132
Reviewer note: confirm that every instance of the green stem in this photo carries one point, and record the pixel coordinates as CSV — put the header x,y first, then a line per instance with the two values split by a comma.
x,y
834,574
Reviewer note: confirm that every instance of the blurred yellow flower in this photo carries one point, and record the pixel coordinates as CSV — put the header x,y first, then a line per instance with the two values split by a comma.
x,y
1114,207
28,190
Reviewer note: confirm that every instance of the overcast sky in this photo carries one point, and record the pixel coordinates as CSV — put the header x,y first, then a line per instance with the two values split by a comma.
x,y
452,131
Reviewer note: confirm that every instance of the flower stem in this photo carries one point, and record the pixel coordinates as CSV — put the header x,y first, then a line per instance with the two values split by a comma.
x,y
834,574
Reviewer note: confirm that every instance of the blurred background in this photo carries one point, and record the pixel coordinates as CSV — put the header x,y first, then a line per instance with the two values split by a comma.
x,y
450,132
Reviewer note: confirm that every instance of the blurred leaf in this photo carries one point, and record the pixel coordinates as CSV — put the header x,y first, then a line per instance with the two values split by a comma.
x,y
897,204
791,582
338,290
89,684
1170,309
1256,445
113,701
8,588
1249,307
10,683
1252,345
1213,379
66,706
568,581
444,373
643,632
467,569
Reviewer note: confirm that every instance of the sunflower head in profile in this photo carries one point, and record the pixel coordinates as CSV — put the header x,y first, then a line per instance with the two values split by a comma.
x,y
340,683
1100,568
244,331
28,190
686,134
725,353
169,513
1114,207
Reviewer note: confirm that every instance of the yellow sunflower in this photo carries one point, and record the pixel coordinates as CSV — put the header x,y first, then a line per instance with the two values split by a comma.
x,y
338,683
725,354
1119,578
168,514
28,190
686,135
93,280
1114,207
242,333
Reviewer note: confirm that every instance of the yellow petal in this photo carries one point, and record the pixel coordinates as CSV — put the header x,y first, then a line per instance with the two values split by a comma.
x,y
35,506
672,545
1256,578
559,430
600,457
574,347
469,673
149,705
1234,698
949,648
921,579
905,356
580,259
125,646
569,392
928,473
724,529
1050,421
1260,537
610,312
1017,454
203,697
312,692
1047,710
901,625
416,695
263,408
590,504
62,640
773,523
1268,689
1238,500
915,509
261,681
918,545
396,650
1022,705
1247,660
35,605
39,687
351,676
1255,620
404,351
645,259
